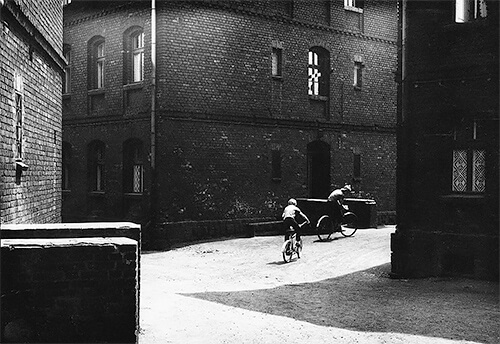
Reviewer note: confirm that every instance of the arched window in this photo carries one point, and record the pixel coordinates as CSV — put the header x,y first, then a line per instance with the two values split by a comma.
x,y
133,64
96,156
318,71
96,62
133,166
66,166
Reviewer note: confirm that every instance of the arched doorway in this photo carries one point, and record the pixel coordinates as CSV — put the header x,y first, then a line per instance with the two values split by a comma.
x,y
318,169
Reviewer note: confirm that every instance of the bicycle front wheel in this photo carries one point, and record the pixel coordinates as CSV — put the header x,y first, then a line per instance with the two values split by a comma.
x,y
287,251
349,224
324,228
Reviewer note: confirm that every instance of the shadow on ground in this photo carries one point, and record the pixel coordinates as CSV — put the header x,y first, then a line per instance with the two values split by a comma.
x,y
458,309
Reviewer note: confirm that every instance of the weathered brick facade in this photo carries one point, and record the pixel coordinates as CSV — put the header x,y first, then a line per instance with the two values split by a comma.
x,y
31,121
231,140
447,202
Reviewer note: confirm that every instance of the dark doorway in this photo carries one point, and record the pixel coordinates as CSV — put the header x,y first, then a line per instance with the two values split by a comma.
x,y
318,169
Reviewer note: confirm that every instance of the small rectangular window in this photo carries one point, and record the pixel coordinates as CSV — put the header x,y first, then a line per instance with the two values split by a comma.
x,y
357,167
358,75
276,165
277,62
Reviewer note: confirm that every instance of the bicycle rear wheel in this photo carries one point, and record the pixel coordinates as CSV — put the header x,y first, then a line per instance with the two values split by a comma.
x,y
349,224
287,251
324,228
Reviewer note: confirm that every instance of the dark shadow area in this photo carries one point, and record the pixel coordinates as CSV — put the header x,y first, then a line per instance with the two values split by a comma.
x,y
458,309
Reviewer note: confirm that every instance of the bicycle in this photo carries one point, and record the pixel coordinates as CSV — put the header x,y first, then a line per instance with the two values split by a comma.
x,y
290,246
347,226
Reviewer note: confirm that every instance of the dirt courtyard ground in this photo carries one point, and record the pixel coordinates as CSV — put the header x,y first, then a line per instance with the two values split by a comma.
x,y
240,291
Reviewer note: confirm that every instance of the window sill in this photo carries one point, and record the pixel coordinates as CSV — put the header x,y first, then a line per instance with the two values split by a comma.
x,y
318,98
353,9
95,92
475,23
133,86
66,192
277,77
133,194
96,193
66,96
276,180
466,197
357,88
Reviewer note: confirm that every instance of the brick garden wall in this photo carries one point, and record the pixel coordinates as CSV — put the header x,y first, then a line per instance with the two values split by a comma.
x,y
70,290
34,195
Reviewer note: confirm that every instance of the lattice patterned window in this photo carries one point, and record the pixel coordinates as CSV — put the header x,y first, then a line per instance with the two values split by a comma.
x,y
318,71
96,166
469,163
133,173
19,116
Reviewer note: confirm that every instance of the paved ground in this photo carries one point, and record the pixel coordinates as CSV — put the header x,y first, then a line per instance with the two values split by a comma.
x,y
240,291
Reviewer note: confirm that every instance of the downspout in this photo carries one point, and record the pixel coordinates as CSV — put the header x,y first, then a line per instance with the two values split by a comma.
x,y
399,246
154,192
153,87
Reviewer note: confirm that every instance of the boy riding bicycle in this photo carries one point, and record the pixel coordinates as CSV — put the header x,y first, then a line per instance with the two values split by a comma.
x,y
289,215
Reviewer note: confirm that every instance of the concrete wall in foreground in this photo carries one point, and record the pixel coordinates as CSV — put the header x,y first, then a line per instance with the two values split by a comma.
x,y
70,290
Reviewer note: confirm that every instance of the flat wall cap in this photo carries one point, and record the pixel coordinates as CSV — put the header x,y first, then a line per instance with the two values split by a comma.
x,y
79,225
66,242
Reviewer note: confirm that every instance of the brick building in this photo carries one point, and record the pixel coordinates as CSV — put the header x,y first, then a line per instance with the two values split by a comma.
x,y
31,70
222,110
447,202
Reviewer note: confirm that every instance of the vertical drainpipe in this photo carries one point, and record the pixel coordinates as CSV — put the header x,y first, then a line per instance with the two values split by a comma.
x,y
154,193
153,85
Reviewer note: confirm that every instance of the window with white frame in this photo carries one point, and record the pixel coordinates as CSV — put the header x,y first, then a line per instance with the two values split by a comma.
x,y
133,57
318,71
356,5
470,10
96,63
469,159
138,56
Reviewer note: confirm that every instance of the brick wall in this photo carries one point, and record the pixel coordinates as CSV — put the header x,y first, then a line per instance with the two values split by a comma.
x,y
220,113
450,103
34,195
70,290
224,171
